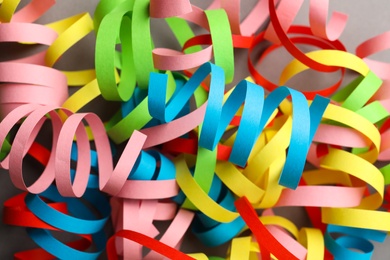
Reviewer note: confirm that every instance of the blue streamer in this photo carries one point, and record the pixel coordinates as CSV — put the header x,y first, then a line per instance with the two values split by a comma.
x,y
167,111
256,113
83,221
152,165
352,238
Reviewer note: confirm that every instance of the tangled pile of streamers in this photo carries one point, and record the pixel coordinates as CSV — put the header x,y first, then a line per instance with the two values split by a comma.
x,y
183,148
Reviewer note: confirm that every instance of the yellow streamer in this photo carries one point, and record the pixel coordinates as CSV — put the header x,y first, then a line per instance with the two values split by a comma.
x,y
198,197
71,30
7,10
326,57
313,240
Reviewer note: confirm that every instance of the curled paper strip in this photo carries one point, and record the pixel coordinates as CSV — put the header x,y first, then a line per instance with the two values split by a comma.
x,y
63,134
267,243
305,39
147,241
217,119
352,238
137,215
289,9
40,218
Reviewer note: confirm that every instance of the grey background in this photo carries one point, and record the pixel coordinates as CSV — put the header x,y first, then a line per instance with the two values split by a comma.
x,y
366,19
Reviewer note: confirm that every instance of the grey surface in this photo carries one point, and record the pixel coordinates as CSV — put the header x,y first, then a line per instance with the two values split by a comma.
x,y
366,19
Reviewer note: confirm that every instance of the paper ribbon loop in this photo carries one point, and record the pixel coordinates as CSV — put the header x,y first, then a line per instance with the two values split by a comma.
x,y
146,241
40,218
